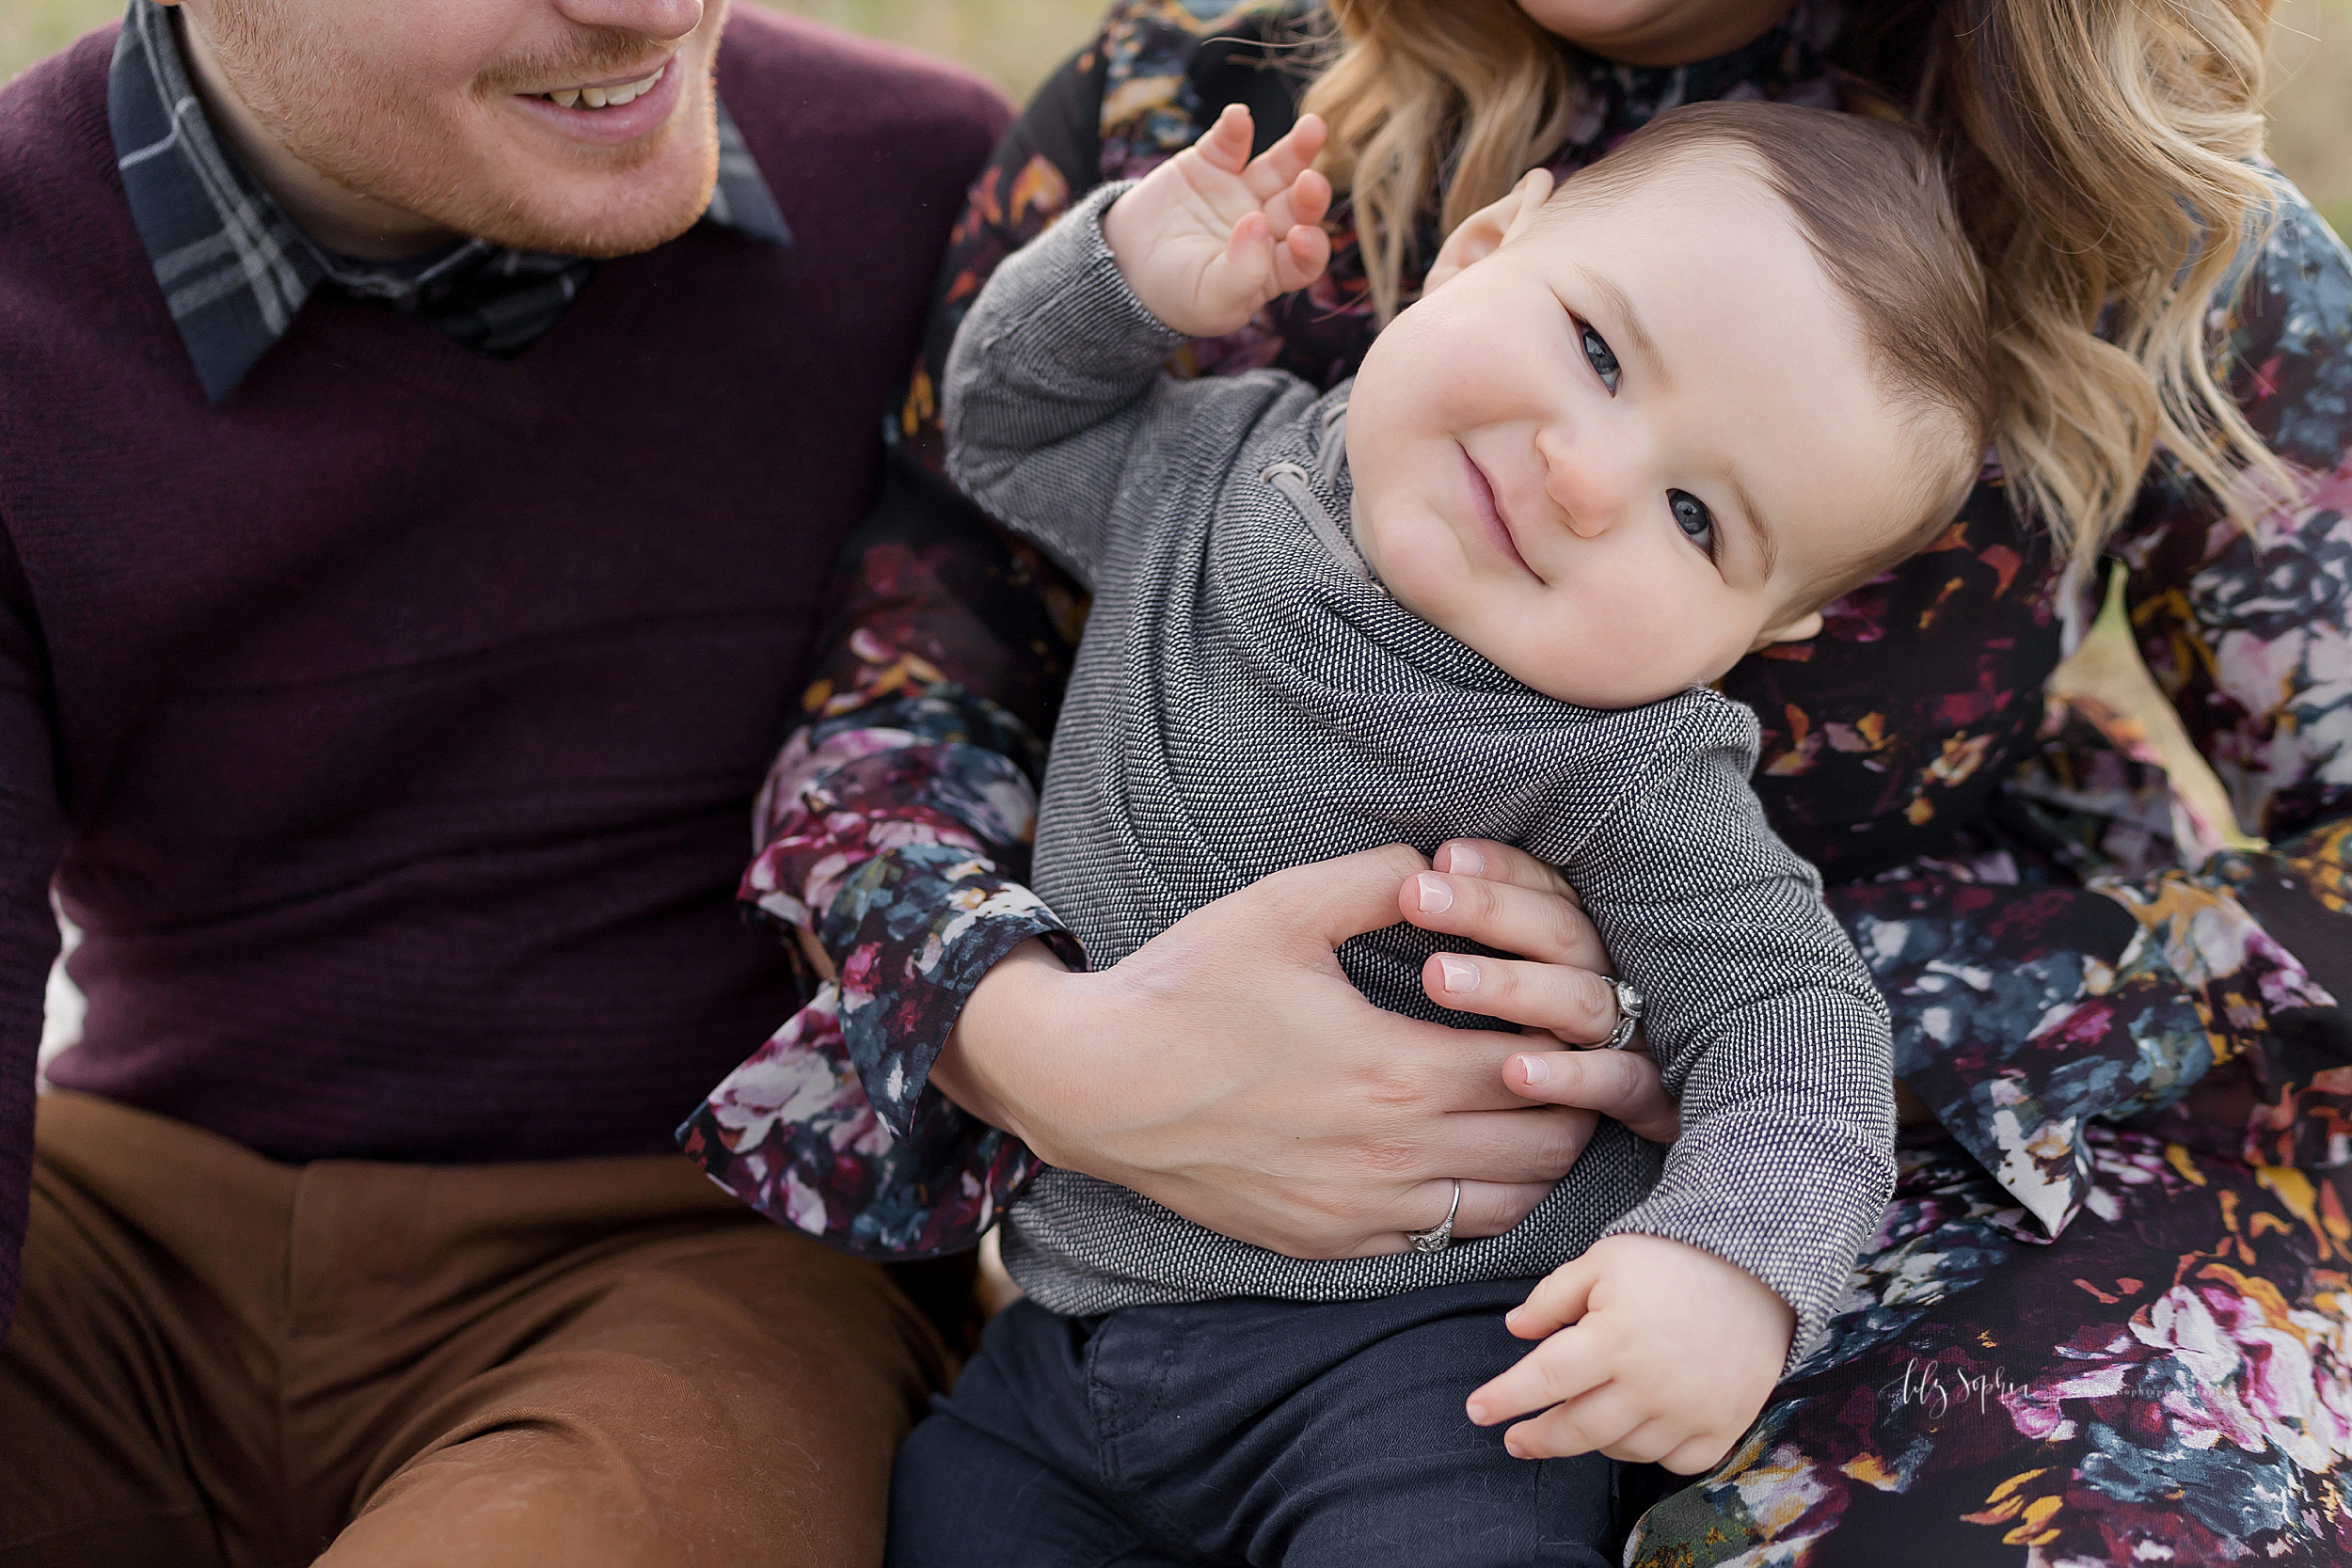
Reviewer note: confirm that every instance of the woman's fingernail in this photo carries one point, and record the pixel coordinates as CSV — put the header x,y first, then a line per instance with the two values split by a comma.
x,y
1460,974
1537,1069
1478,1413
1468,861
1436,898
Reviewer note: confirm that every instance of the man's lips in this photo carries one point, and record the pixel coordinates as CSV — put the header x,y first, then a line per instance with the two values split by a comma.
x,y
627,77
615,124
1490,513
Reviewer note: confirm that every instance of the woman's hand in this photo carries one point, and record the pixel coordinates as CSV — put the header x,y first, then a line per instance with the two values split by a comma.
x,y
1229,1070
1557,989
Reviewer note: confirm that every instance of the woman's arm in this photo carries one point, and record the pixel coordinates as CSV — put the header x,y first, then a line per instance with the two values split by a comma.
x,y
1046,160
2251,633
2022,1013
941,665
893,831
2250,636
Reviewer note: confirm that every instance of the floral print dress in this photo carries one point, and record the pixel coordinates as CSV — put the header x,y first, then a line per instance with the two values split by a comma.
x,y
2108,1319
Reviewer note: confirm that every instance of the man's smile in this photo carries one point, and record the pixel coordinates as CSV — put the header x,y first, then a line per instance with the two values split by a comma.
x,y
609,93
611,112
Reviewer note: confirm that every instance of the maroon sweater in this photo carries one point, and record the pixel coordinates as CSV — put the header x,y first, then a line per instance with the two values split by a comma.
x,y
392,729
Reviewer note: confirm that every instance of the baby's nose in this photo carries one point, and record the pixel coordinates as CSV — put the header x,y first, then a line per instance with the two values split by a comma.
x,y
1588,481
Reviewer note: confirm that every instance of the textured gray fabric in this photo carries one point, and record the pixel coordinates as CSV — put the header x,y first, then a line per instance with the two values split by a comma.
x,y
1248,700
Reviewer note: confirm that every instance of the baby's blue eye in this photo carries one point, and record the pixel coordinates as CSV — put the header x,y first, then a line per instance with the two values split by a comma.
x,y
1691,516
1597,354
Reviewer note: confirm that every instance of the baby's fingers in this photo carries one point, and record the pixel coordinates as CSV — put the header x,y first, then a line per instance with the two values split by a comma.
x,y
1272,171
1301,257
1305,200
1242,277
1559,1299
1563,1366
1596,1422
1226,144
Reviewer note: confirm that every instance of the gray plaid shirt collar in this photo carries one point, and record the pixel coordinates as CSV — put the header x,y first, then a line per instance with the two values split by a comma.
x,y
232,265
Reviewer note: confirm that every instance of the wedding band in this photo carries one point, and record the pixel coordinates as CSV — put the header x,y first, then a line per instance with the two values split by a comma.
x,y
1628,1014
1440,1235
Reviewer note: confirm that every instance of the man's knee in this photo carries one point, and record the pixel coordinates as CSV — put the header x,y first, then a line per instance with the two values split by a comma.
x,y
733,1400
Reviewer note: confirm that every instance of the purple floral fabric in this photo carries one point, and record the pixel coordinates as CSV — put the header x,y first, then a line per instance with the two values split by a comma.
x,y
2124,1257
877,834
2171,1384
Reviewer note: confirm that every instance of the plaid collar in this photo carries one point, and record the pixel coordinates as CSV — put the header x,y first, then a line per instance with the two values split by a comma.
x,y
234,268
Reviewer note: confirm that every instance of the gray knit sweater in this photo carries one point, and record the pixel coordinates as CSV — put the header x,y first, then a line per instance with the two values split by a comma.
x,y
1247,699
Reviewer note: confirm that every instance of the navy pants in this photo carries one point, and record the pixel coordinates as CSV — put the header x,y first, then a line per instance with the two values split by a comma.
x,y
1244,1432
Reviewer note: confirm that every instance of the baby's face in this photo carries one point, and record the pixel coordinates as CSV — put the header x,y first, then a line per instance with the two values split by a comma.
x,y
1623,450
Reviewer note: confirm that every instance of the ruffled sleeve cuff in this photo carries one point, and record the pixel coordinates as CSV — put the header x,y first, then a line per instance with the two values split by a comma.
x,y
792,1134
831,1127
915,931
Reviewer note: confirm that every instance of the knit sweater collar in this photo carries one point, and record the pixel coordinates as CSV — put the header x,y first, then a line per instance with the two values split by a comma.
x,y
236,269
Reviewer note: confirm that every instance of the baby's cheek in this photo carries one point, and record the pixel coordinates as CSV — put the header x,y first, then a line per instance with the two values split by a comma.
x,y
1534,638
1422,567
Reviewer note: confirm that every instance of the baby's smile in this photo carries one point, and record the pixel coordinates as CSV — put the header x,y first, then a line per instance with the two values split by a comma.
x,y
1488,511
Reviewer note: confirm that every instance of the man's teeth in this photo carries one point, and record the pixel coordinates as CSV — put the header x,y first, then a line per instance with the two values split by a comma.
x,y
605,97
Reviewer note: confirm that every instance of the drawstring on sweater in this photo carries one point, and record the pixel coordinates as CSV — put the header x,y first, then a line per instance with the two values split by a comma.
x,y
1332,455
1299,487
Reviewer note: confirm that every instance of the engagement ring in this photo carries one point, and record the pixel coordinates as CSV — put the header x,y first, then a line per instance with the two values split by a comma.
x,y
1440,1235
1628,1014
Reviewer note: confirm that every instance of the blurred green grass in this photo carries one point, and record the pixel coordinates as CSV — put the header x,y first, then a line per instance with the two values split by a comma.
x,y
2311,102
1018,41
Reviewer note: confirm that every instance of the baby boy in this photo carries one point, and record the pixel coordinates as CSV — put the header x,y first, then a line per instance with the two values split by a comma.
x,y
1635,430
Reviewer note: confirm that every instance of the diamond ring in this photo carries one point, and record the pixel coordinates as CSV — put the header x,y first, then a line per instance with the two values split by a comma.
x,y
1628,1014
1440,1235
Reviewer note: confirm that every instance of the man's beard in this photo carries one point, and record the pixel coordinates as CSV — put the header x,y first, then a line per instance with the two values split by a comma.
x,y
321,104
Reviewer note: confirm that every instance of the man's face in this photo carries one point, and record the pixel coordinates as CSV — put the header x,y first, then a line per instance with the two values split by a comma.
x,y
478,115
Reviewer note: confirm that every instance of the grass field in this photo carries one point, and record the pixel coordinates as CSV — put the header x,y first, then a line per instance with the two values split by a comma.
x,y
2311,102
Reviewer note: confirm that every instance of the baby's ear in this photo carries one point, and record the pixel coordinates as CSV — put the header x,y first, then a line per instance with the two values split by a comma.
x,y
1481,234
1804,628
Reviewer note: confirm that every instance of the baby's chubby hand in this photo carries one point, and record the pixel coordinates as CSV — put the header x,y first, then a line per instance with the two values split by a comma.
x,y
1652,1351
1213,235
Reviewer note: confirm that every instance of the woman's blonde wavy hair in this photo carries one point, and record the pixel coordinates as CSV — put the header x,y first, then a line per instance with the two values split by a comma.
x,y
2099,154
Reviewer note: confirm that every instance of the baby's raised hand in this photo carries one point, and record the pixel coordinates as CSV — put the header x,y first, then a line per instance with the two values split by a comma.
x,y
1652,1351
1213,233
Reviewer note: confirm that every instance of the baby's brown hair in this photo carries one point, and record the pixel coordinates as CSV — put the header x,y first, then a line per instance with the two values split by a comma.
x,y
1871,200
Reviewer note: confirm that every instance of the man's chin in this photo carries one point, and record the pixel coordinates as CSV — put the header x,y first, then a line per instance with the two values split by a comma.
x,y
570,234
609,216
597,202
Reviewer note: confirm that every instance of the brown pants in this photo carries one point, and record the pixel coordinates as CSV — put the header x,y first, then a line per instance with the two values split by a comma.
x,y
222,1360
